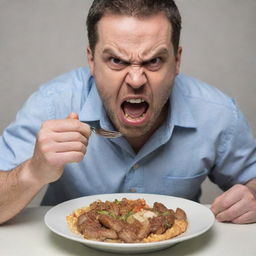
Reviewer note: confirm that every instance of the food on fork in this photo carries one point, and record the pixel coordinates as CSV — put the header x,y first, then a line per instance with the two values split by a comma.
x,y
127,221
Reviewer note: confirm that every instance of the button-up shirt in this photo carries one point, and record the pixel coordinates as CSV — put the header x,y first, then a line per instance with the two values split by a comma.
x,y
205,134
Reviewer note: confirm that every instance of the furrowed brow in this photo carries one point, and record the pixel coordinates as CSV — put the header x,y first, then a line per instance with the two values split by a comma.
x,y
110,51
160,52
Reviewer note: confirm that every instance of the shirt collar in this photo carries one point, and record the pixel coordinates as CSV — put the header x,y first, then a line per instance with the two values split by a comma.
x,y
93,111
180,113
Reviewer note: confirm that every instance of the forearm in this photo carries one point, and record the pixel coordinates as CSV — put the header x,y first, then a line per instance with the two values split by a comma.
x,y
17,189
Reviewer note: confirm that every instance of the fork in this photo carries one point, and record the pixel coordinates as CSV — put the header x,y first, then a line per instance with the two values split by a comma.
x,y
103,132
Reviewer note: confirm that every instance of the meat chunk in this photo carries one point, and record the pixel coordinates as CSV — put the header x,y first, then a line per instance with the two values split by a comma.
x,y
111,223
90,227
128,234
159,207
159,224
85,221
143,229
99,233
180,214
82,218
170,220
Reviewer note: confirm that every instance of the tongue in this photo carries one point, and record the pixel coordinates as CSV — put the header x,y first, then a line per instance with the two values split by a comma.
x,y
134,109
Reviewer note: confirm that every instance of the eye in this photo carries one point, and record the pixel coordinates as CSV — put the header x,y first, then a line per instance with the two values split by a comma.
x,y
154,64
116,63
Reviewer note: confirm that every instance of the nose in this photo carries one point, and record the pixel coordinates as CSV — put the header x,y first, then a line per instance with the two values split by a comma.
x,y
136,78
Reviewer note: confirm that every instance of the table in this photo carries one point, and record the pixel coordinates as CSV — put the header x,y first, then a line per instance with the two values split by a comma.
x,y
26,234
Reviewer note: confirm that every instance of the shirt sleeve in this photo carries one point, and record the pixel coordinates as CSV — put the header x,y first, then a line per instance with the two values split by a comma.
x,y
236,163
18,139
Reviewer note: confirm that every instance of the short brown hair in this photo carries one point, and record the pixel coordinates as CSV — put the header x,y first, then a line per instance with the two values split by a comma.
x,y
135,8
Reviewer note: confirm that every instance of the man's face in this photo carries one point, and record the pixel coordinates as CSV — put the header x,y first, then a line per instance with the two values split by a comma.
x,y
134,66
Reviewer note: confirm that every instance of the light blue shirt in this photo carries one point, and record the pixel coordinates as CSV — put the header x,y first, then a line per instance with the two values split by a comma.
x,y
205,134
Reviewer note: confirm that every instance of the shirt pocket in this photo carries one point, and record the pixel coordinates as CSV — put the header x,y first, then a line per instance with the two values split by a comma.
x,y
187,187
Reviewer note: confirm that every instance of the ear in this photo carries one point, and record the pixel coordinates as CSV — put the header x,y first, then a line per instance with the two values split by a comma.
x,y
90,60
178,60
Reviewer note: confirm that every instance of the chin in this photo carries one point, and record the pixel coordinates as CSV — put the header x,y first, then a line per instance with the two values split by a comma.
x,y
135,132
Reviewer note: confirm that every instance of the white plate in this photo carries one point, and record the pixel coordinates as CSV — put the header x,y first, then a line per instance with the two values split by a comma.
x,y
200,219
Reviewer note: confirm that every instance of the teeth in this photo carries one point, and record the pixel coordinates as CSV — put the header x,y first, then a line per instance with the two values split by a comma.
x,y
135,100
134,118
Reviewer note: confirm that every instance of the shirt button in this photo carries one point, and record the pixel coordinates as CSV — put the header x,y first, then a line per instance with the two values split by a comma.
x,y
136,166
133,190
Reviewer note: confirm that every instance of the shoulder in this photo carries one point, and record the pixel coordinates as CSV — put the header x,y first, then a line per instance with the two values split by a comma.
x,y
74,80
66,93
210,107
196,90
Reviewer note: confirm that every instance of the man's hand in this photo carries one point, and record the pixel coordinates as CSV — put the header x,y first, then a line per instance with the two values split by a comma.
x,y
59,142
237,205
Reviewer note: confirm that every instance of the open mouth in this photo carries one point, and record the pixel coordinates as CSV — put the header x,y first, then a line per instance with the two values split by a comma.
x,y
135,110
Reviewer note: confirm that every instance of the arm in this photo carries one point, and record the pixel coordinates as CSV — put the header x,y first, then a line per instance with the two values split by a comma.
x,y
237,205
58,142
17,189
235,172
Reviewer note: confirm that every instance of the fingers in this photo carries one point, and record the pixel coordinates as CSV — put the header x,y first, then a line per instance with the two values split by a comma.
x,y
233,212
237,205
71,136
72,146
67,125
246,218
225,201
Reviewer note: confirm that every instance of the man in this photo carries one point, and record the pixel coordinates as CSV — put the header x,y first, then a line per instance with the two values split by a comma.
x,y
176,130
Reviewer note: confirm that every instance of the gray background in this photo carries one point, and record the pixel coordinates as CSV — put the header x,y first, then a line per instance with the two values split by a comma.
x,y
40,39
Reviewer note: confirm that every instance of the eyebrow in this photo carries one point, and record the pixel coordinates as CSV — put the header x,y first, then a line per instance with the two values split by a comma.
x,y
159,52
111,51
163,51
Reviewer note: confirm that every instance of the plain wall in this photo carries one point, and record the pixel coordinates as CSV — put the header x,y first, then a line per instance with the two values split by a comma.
x,y
40,39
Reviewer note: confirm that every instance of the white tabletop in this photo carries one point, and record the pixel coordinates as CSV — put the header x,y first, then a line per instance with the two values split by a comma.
x,y
27,234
